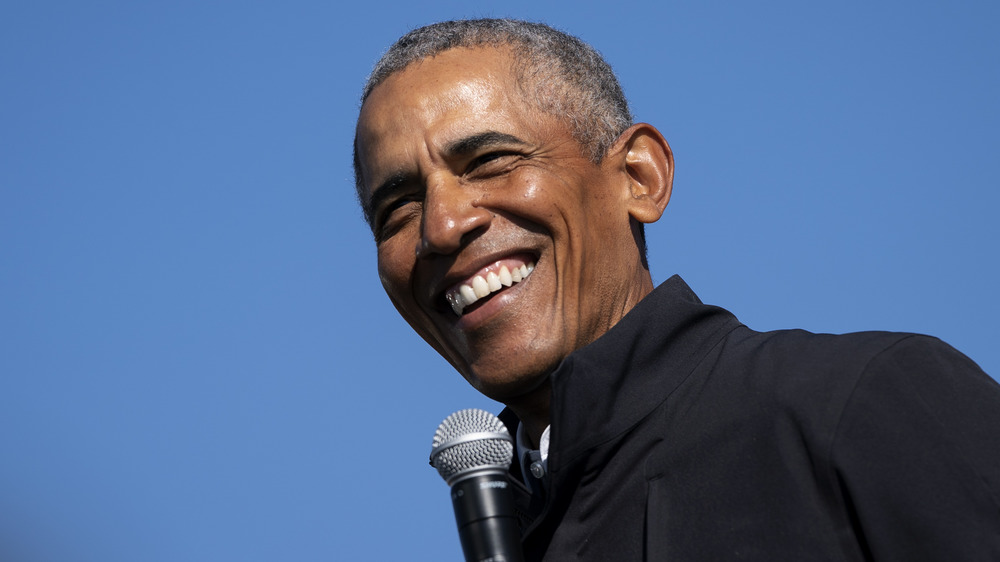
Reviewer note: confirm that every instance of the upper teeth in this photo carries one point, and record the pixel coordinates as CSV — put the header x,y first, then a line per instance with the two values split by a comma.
x,y
482,285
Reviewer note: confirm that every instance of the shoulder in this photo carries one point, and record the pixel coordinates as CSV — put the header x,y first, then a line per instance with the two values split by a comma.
x,y
923,376
820,380
920,359
796,359
859,379
803,370
922,389
917,446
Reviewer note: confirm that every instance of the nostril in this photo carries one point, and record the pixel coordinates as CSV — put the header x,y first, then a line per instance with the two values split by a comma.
x,y
445,230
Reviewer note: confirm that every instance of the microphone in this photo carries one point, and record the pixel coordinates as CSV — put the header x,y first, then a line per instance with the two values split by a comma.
x,y
471,451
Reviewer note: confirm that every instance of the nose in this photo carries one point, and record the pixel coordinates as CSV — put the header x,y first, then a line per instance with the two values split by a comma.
x,y
451,213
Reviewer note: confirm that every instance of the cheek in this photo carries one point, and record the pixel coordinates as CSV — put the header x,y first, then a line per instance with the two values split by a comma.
x,y
394,271
543,197
395,266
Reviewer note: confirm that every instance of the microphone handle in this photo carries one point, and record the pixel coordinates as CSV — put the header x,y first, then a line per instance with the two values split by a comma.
x,y
484,511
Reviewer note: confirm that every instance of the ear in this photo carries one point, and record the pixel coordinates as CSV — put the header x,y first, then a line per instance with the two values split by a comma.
x,y
649,166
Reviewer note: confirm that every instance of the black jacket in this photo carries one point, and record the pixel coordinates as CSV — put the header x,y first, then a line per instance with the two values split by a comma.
x,y
683,435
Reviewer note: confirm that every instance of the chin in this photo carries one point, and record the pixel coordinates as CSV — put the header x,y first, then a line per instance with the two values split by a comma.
x,y
509,386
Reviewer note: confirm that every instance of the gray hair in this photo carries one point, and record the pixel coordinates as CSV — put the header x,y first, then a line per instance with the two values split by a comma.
x,y
557,72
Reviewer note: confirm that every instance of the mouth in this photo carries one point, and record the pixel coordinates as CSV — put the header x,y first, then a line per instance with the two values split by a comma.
x,y
487,282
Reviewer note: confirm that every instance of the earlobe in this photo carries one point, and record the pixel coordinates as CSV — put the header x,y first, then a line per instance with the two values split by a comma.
x,y
649,165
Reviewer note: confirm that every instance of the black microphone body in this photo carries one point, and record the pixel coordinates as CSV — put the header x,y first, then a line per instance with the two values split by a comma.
x,y
472,451
484,511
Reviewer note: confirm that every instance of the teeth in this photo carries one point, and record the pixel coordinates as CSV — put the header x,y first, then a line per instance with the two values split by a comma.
x,y
505,277
468,295
480,286
483,286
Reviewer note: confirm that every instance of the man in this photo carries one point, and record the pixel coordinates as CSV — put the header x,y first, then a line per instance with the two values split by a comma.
x,y
507,189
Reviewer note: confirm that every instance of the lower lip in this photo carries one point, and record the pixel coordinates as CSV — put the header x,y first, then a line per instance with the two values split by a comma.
x,y
491,307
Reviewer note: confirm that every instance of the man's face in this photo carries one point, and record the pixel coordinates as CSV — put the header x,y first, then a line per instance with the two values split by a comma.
x,y
499,242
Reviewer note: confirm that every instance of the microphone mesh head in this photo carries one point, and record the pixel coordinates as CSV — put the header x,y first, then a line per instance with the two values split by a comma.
x,y
468,440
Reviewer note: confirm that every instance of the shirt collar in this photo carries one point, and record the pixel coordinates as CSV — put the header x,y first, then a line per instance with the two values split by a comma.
x,y
525,452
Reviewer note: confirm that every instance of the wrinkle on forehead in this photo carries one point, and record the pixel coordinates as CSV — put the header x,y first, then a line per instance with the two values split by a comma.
x,y
471,96
441,112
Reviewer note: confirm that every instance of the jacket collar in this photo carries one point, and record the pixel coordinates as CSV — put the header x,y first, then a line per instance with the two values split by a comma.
x,y
605,388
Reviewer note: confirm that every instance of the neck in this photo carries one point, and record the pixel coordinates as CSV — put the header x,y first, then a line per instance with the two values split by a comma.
x,y
532,408
533,411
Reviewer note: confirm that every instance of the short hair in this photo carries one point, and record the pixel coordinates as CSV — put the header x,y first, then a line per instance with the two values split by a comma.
x,y
558,72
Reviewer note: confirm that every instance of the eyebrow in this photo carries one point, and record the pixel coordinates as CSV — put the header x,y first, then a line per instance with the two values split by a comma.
x,y
478,141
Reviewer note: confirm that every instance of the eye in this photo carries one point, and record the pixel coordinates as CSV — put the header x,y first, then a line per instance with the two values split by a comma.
x,y
394,215
492,162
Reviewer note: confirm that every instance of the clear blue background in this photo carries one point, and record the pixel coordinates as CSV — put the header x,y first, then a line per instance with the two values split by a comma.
x,y
197,361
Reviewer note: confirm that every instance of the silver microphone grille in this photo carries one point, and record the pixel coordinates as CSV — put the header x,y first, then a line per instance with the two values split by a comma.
x,y
471,440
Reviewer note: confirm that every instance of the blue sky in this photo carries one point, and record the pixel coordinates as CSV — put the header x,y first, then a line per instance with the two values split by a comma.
x,y
197,361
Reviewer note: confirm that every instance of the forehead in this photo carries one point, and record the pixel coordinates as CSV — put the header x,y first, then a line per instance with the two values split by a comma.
x,y
456,69
433,101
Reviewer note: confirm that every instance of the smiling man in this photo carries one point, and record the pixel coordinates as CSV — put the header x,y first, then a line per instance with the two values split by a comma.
x,y
507,188
499,239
